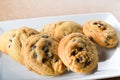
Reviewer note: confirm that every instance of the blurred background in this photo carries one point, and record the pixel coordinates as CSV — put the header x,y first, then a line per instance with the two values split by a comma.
x,y
17,9
20,9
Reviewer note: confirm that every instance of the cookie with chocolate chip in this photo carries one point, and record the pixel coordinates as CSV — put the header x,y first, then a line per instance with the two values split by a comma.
x,y
78,53
5,39
41,55
61,29
16,42
101,32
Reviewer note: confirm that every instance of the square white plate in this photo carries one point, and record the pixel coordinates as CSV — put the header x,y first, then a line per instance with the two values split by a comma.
x,y
108,66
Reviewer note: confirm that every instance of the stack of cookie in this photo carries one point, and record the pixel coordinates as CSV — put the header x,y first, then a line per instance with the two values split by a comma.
x,y
59,46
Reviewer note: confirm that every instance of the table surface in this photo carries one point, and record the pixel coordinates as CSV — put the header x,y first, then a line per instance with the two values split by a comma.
x,y
20,9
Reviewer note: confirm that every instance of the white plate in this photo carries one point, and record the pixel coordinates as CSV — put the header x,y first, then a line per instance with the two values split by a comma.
x,y
108,66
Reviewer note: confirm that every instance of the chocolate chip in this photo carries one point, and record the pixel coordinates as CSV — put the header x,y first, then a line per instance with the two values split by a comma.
x,y
101,27
73,40
79,48
48,43
10,40
95,23
35,55
44,60
55,60
91,38
104,28
9,46
106,43
45,49
33,47
77,60
33,33
87,63
101,24
45,36
13,36
80,59
109,37
73,53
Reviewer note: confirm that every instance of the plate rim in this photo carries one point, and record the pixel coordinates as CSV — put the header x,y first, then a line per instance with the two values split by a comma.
x,y
105,13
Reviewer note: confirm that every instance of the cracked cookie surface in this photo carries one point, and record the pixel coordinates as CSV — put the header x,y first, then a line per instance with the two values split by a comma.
x,y
101,32
5,39
61,29
78,53
41,55
16,42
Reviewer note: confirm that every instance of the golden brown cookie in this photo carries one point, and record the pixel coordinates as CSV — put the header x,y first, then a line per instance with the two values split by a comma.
x,y
5,40
61,29
41,55
101,32
78,53
16,42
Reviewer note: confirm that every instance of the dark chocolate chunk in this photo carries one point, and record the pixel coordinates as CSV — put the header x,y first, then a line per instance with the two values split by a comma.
x,y
101,24
9,46
73,53
107,43
56,60
10,40
95,23
80,59
103,28
87,63
45,49
109,37
77,60
48,43
34,46
33,33
45,36
73,40
91,38
79,48
44,60
35,55
13,36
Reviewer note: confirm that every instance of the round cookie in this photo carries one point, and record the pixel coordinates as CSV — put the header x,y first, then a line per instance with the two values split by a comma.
x,y
101,32
5,40
41,55
47,29
16,42
61,29
78,53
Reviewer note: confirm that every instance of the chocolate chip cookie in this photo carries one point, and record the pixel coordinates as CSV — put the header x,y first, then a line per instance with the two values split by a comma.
x,y
16,42
5,39
101,32
78,53
61,29
41,55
